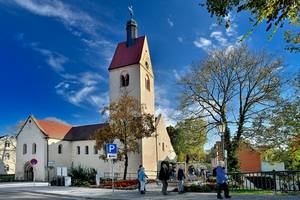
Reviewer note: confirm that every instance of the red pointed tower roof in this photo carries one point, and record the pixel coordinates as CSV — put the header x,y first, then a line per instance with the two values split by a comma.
x,y
125,55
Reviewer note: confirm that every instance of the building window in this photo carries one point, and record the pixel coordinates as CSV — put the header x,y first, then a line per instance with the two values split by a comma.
x,y
24,148
147,65
7,168
7,144
124,79
147,82
33,148
163,146
95,149
78,150
59,149
86,149
6,156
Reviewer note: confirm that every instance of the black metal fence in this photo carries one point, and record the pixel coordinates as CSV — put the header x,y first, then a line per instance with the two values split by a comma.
x,y
283,181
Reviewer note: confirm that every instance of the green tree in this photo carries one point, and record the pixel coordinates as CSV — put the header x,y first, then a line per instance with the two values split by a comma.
x,y
188,138
276,13
127,123
277,131
231,88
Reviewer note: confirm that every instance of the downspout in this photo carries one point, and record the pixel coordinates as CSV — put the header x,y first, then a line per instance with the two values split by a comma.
x,y
156,149
47,164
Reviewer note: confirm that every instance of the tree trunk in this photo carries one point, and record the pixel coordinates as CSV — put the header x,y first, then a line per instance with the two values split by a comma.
x,y
126,165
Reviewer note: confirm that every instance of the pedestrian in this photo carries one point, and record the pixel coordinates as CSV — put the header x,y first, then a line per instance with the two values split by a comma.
x,y
222,181
139,185
180,177
142,179
164,176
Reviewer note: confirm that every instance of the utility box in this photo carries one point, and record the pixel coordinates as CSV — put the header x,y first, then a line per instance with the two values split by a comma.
x,y
67,181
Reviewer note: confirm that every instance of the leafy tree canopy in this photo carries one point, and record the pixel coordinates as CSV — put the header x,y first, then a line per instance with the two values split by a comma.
x,y
127,123
188,138
275,13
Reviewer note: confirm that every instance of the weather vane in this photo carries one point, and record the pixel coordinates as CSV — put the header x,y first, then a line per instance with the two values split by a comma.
x,y
130,11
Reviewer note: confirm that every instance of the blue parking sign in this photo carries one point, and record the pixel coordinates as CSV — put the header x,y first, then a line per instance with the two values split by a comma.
x,y
111,150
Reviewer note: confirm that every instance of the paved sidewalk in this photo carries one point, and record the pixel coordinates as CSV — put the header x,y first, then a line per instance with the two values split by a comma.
x,y
153,193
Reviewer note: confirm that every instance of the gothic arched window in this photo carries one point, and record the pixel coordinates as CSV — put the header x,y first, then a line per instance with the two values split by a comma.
x,y
147,82
124,80
33,148
60,149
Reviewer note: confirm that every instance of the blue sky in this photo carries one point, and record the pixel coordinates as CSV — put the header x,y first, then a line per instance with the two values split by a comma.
x,y
54,55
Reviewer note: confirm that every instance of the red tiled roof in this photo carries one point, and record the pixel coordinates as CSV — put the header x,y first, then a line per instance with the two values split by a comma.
x,y
54,129
125,56
57,130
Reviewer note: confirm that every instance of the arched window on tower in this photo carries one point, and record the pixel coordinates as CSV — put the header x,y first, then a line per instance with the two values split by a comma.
x,y
6,156
33,148
124,80
60,149
147,82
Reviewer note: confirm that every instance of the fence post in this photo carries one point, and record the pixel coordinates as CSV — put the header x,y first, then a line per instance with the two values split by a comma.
x,y
274,181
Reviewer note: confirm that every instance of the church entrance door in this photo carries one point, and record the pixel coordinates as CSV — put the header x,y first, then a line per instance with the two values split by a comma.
x,y
28,172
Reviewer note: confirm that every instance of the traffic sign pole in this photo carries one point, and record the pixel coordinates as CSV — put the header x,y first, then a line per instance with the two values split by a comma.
x,y
113,180
111,153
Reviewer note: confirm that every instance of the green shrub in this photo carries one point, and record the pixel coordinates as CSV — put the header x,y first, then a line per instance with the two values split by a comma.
x,y
198,188
82,176
7,177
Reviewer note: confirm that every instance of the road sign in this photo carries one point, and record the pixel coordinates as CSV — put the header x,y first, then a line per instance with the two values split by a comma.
x,y
51,163
33,161
111,150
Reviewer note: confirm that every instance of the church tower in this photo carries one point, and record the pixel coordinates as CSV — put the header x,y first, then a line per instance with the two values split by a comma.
x,y
131,69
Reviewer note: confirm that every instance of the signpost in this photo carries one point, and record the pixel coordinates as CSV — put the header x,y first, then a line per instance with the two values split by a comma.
x,y
33,163
111,153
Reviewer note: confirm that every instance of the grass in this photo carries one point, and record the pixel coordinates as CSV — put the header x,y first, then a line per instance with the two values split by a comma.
x,y
262,192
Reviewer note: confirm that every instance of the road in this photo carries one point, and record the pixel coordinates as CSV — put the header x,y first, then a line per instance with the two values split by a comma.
x,y
11,195
42,191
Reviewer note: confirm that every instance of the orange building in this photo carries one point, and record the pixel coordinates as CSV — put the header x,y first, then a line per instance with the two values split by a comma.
x,y
249,158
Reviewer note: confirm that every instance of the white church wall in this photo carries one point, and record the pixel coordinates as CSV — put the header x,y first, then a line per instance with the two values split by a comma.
x,y
147,97
92,160
31,134
59,160
165,148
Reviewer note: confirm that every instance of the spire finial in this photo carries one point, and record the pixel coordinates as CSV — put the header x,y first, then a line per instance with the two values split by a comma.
x,y
130,8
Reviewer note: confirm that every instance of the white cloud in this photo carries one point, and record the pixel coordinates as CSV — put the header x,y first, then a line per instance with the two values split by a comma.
x,y
203,43
218,35
53,59
81,89
69,16
213,26
56,120
79,23
80,96
164,106
170,22
180,39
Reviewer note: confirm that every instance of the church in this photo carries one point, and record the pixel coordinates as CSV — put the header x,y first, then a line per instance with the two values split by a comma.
x,y
53,144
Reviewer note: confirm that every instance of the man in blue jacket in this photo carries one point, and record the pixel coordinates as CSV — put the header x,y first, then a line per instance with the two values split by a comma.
x,y
142,179
222,180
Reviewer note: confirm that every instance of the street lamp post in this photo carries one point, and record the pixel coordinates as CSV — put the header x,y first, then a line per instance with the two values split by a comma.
x,y
224,153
